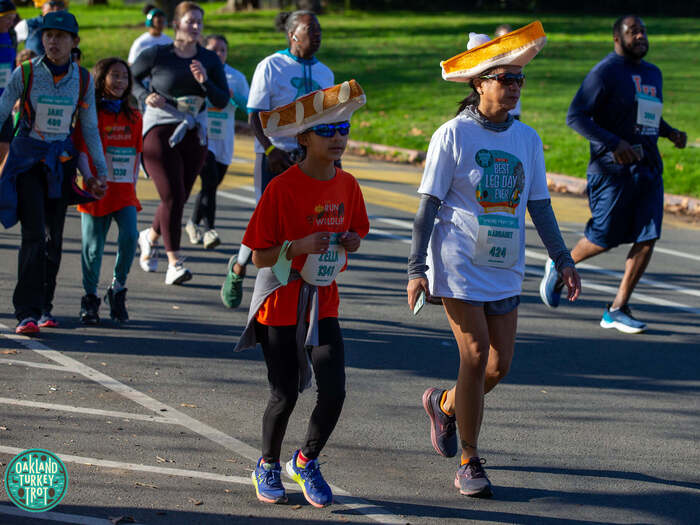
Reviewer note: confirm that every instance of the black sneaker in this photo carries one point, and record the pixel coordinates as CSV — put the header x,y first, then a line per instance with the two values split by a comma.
x,y
89,305
117,305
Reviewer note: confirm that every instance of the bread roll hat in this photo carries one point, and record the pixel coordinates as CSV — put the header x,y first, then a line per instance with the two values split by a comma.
x,y
324,106
516,48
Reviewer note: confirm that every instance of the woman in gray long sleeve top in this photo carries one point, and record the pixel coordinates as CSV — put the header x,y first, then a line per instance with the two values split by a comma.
x,y
182,76
482,170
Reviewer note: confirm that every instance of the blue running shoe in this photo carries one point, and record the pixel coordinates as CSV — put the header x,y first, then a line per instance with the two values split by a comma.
x,y
550,285
316,490
622,320
267,479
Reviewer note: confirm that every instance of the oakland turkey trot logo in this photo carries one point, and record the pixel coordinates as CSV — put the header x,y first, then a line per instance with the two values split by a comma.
x,y
36,480
502,181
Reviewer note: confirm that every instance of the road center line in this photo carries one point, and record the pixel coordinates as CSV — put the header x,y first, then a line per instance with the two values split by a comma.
x,y
367,509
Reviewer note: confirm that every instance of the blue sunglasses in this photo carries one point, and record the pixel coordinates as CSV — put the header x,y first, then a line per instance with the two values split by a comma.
x,y
328,130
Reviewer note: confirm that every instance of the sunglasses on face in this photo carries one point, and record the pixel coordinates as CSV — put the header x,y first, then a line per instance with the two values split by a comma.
x,y
328,130
507,79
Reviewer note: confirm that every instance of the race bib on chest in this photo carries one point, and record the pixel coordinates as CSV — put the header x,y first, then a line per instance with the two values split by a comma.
x,y
498,241
53,114
216,124
191,105
321,269
648,111
120,164
5,72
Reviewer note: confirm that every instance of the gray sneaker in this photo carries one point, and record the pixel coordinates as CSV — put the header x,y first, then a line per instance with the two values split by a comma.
x,y
443,428
193,232
471,479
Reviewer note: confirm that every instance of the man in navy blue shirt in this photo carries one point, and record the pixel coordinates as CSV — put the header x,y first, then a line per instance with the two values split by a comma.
x,y
618,108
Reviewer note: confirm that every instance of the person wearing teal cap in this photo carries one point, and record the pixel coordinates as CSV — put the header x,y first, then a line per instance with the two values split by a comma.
x,y
38,181
155,22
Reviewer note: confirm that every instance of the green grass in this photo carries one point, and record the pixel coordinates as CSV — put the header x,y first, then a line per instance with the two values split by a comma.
x,y
396,56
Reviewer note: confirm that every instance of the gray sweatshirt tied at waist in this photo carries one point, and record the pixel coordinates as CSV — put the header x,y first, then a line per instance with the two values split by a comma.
x,y
306,335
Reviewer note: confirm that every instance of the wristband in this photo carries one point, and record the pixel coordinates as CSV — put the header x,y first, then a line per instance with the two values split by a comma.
x,y
269,149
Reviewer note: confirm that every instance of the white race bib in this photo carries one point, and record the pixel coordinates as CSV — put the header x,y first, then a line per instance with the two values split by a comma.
x,y
53,114
498,241
5,72
216,124
120,164
191,105
648,111
321,269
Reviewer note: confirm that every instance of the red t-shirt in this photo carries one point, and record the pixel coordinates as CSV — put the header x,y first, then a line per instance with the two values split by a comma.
x,y
293,206
121,140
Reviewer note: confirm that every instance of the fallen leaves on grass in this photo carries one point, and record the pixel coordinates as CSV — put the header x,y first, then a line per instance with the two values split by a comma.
x,y
416,132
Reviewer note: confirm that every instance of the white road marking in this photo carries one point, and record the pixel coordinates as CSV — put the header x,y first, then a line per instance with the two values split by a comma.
x,y
86,410
233,196
668,251
367,509
32,364
183,473
60,517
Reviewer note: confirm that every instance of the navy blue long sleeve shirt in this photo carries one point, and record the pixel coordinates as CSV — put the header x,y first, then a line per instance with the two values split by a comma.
x,y
604,111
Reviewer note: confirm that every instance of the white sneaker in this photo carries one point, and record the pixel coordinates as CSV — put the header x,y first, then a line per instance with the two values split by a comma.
x,y
211,239
194,233
177,274
148,260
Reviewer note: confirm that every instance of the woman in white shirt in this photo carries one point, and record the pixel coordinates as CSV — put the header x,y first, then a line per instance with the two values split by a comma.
x,y
155,22
482,170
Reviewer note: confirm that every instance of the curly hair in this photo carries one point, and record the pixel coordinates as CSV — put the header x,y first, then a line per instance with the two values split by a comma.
x,y
100,72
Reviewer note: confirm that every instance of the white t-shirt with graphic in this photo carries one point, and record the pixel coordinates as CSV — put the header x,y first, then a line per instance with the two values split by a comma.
x,y
282,78
145,41
221,123
484,180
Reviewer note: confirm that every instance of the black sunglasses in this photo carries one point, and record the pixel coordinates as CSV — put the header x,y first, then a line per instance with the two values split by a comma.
x,y
507,79
328,130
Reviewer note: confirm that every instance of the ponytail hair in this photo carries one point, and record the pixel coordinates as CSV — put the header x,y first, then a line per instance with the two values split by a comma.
x,y
472,99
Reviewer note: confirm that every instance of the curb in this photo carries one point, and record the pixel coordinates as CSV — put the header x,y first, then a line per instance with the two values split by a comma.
x,y
679,204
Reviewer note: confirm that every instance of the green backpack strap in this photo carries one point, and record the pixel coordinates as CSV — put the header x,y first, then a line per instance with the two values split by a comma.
x,y
25,107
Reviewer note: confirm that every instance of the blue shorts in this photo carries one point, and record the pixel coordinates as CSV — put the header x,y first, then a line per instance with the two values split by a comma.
x,y
625,208
500,307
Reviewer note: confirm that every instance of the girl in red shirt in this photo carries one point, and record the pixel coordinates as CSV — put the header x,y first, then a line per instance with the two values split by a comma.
x,y
308,218
120,132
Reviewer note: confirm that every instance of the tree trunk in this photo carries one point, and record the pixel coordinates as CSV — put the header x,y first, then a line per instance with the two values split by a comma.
x,y
96,2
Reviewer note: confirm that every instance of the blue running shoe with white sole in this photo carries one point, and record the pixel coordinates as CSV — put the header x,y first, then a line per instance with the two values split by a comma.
x,y
623,320
550,285
316,490
267,480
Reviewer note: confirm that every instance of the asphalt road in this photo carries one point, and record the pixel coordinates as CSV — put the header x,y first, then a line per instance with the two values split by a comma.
x,y
160,422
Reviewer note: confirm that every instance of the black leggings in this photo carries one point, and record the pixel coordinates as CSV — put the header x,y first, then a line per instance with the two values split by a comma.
x,y
328,360
205,203
39,258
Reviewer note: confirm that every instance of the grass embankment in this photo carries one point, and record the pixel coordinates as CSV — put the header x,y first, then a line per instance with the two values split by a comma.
x,y
396,56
